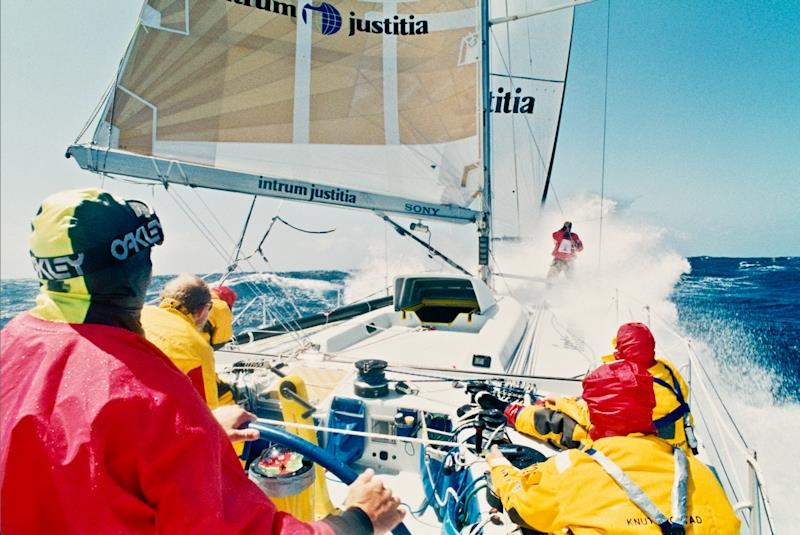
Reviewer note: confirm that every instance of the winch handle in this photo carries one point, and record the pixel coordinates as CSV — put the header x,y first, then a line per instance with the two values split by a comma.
x,y
320,456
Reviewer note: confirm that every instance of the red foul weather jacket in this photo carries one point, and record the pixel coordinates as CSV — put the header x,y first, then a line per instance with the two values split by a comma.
x,y
566,247
102,434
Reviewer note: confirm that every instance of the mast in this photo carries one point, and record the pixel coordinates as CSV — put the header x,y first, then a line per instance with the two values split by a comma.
x,y
485,223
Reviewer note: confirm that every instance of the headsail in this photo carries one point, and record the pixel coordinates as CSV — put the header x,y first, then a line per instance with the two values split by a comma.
x,y
529,67
344,97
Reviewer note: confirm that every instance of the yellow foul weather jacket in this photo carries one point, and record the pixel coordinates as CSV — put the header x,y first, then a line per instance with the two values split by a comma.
x,y
572,491
173,331
219,329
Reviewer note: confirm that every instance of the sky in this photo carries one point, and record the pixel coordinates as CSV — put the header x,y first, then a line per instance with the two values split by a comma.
x,y
702,132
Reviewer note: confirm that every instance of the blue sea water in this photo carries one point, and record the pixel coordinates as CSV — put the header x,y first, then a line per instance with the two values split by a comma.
x,y
747,310
743,309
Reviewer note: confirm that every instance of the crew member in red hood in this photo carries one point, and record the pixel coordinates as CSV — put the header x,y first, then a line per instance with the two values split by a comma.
x,y
672,417
100,432
567,245
630,482
564,420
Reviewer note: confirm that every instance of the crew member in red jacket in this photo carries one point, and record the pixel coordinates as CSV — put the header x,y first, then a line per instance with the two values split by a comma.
x,y
101,433
567,245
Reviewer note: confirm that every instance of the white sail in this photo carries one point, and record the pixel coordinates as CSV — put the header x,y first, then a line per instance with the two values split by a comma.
x,y
379,97
529,67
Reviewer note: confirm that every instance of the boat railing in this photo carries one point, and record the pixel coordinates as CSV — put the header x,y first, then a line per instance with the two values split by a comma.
x,y
726,438
739,470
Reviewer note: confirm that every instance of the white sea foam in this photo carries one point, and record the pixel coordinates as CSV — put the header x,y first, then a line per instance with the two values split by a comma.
x,y
315,286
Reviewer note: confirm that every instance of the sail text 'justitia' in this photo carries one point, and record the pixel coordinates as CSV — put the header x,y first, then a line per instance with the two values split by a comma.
x,y
389,26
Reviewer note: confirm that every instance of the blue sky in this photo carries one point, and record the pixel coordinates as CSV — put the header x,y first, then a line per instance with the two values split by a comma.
x,y
703,124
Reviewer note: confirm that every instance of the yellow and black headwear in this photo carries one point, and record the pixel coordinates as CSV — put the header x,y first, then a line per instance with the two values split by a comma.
x,y
91,252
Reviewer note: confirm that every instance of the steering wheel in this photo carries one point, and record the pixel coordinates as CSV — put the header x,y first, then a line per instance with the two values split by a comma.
x,y
316,454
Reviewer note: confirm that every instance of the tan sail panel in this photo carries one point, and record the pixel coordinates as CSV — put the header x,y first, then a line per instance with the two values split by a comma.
x,y
377,97
233,79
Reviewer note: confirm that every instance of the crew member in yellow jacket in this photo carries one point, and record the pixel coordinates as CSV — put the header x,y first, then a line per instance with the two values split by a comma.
x,y
564,421
218,330
174,327
629,482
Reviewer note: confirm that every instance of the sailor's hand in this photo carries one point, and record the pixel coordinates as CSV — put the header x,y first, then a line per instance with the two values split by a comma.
x,y
495,458
380,505
494,454
232,418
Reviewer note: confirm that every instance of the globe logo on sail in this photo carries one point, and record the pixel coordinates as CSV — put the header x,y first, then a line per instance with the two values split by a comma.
x,y
328,21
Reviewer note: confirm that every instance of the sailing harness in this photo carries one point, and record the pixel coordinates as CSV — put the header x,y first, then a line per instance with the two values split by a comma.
x,y
681,411
674,526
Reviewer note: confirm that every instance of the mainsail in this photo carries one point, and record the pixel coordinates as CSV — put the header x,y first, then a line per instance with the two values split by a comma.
x,y
373,105
328,102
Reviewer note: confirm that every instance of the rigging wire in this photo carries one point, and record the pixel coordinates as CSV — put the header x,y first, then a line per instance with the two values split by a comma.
x,y
96,109
234,260
292,326
513,117
605,122
386,258
558,202
328,231
254,288
197,221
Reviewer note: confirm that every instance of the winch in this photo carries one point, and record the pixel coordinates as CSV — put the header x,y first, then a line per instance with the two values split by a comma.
x,y
371,380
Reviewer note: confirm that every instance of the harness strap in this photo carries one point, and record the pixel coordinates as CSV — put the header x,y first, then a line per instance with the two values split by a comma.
x,y
682,409
676,384
673,416
642,501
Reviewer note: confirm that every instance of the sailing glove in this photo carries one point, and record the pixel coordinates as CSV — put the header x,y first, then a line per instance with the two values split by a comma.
x,y
509,410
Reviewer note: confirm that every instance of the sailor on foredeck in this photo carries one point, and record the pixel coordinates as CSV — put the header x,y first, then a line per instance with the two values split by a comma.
x,y
567,245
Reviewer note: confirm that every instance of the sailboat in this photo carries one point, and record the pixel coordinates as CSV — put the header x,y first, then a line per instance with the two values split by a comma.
x,y
440,111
